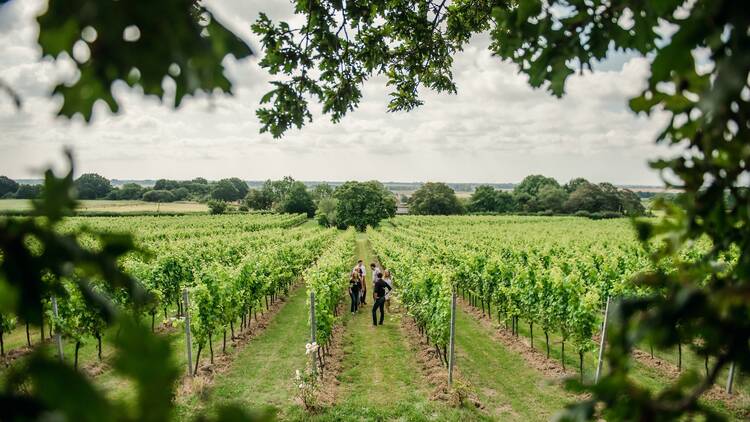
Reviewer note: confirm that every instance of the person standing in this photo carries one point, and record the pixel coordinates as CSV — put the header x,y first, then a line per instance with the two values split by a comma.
x,y
378,293
363,278
389,281
355,285
374,269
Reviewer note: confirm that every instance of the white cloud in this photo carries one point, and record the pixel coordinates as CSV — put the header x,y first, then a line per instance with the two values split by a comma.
x,y
496,129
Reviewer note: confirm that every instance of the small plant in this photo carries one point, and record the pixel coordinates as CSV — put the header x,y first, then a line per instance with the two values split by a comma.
x,y
307,382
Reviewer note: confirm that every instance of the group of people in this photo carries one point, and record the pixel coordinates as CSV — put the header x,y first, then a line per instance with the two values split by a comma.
x,y
381,281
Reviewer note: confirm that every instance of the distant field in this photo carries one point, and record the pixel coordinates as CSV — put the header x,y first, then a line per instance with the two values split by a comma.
x,y
113,206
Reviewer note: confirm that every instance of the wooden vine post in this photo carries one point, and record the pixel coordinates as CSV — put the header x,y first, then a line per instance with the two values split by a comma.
x,y
602,342
58,337
313,328
452,356
730,378
188,337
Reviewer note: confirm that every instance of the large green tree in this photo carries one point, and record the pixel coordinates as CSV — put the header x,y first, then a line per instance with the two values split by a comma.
x,y
166,184
362,204
240,185
225,190
7,185
322,191
435,198
484,199
412,44
259,199
298,200
26,191
92,186
550,198
630,203
159,195
127,191
531,185
326,212
586,197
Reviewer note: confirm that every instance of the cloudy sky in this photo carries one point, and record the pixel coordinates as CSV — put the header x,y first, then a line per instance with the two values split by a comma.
x,y
496,129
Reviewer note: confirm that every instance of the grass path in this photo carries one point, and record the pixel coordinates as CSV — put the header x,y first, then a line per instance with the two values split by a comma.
x,y
262,373
379,364
509,388
381,378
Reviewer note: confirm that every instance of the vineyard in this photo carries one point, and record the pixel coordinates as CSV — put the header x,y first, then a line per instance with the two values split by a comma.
x,y
530,290
556,273
232,267
552,273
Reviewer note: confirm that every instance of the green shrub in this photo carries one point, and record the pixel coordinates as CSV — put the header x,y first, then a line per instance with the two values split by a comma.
x,y
217,207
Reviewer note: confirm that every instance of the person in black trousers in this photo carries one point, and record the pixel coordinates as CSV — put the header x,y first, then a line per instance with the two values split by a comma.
x,y
379,295
355,285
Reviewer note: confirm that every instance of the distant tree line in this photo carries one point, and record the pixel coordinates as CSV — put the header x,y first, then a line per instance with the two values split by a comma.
x,y
536,194
360,204
94,186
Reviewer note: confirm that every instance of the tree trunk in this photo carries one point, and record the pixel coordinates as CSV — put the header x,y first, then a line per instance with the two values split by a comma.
x,y
224,347
440,356
531,333
211,347
266,302
562,356
706,364
41,328
482,300
197,359
679,357
546,339
231,327
153,320
28,336
2,345
165,312
99,345
75,362
652,350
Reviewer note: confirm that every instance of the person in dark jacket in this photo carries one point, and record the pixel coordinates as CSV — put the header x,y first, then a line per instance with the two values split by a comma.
x,y
355,285
378,295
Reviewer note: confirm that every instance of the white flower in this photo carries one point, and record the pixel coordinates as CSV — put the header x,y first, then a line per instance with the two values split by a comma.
x,y
301,386
311,347
297,375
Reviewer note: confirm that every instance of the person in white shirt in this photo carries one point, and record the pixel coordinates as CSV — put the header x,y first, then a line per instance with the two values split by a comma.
x,y
389,281
363,273
374,269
